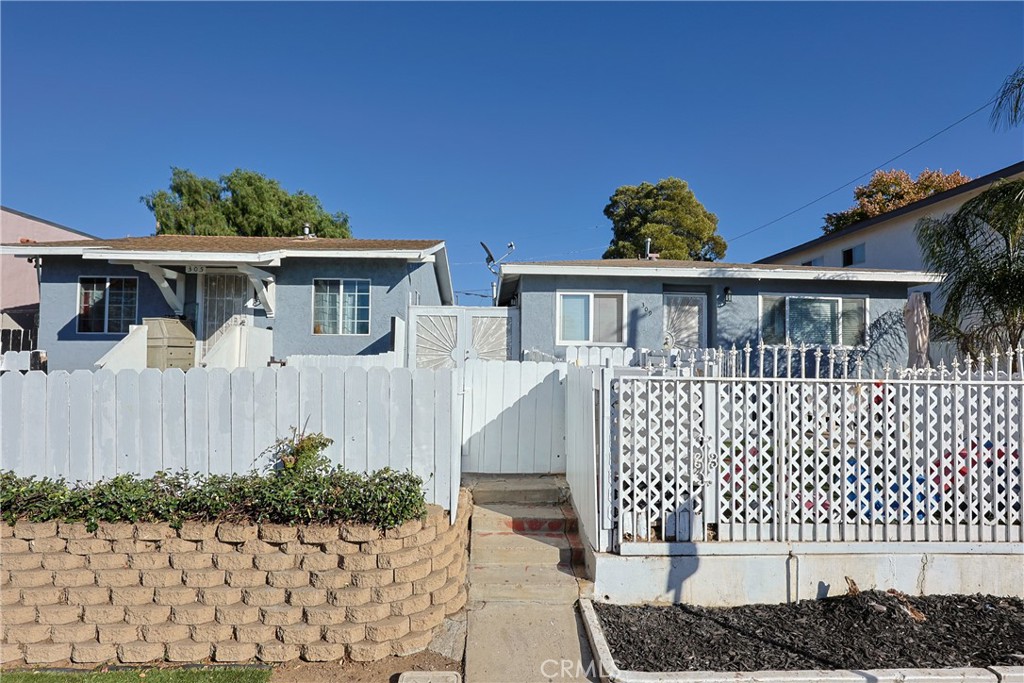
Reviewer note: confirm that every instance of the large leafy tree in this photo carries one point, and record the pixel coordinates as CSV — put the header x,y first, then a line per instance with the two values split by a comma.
x,y
669,214
890,190
239,203
980,248
1008,109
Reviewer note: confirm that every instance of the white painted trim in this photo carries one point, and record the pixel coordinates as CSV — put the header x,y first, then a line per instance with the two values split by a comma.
x,y
767,548
780,273
341,292
175,298
590,317
265,257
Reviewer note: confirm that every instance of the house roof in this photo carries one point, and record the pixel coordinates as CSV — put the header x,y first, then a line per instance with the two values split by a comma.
x,y
636,268
234,250
238,245
975,184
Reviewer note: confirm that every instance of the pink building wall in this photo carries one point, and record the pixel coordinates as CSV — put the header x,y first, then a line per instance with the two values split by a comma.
x,y
18,285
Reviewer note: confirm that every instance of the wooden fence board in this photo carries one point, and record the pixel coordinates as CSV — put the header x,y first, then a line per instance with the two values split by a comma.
x,y
151,420
81,462
173,403
57,425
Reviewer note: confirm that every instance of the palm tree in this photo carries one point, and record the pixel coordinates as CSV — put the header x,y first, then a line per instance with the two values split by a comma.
x,y
1009,106
980,248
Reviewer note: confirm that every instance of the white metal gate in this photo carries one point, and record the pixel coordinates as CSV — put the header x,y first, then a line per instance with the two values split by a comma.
x,y
224,297
448,336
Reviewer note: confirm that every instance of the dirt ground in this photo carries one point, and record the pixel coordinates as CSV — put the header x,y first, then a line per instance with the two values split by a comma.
x,y
383,671
869,630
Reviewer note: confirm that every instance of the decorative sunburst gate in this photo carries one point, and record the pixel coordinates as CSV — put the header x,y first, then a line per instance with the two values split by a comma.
x,y
448,336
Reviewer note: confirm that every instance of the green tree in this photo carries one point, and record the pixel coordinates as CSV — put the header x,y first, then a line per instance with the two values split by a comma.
x,y
980,248
239,203
891,190
1008,109
669,214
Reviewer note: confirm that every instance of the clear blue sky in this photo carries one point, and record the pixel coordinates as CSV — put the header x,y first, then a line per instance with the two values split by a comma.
x,y
498,122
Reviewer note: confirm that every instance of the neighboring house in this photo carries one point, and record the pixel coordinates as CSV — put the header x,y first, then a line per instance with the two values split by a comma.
x,y
888,241
306,295
19,286
687,305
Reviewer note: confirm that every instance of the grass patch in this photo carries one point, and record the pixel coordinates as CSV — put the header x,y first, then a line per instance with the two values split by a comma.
x,y
142,676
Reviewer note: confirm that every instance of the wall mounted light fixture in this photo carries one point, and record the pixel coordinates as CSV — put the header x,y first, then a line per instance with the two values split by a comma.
x,y
728,295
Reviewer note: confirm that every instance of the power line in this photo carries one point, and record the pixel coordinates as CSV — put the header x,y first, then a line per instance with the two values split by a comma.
x,y
862,175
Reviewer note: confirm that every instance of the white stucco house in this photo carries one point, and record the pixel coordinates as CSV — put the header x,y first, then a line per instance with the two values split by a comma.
x,y
888,241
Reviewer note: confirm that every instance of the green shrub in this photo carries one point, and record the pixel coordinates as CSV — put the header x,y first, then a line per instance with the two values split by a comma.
x,y
301,488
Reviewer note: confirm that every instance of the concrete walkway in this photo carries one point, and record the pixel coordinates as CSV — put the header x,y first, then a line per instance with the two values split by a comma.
x,y
523,626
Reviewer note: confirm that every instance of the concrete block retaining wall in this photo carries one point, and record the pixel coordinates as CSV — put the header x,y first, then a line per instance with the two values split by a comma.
x,y
136,593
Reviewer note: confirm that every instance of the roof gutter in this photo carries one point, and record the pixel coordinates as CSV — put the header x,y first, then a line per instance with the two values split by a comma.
x,y
782,273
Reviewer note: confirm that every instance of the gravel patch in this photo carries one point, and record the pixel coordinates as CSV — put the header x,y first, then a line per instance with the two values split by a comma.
x,y
868,630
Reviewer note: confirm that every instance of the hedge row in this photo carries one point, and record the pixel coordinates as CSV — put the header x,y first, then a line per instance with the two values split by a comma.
x,y
384,498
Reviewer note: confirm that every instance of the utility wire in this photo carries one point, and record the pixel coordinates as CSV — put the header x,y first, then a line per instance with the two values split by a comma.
x,y
862,175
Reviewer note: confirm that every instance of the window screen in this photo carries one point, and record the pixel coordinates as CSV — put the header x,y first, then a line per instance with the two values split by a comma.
x,y
607,318
575,322
814,321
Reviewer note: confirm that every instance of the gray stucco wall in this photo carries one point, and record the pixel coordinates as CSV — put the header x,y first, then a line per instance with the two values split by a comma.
x,y
66,348
391,282
390,287
730,323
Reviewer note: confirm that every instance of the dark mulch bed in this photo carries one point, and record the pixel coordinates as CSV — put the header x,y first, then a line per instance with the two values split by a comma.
x,y
870,630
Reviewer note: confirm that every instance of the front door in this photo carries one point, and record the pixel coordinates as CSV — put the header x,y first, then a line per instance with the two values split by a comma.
x,y
225,297
686,321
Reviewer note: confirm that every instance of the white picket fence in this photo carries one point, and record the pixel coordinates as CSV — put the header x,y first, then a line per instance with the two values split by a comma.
x,y
513,417
926,455
386,360
587,446
92,425
14,361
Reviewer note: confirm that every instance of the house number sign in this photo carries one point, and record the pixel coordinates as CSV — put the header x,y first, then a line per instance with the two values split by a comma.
x,y
195,270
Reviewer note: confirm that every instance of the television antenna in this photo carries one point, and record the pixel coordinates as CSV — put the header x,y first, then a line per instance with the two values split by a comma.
x,y
493,263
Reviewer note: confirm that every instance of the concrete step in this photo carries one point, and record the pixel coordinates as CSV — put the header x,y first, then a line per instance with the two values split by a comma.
x,y
492,517
551,584
527,643
506,547
505,488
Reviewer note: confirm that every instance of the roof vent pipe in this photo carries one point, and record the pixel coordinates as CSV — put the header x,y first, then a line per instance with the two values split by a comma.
x,y
647,249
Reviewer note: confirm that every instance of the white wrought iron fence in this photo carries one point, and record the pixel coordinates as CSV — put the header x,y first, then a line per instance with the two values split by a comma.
x,y
912,455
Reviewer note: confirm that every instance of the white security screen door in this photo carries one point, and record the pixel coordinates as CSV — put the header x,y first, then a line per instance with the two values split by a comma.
x,y
686,321
224,299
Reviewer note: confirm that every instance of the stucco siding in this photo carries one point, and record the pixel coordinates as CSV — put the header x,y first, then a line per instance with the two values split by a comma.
x,y
736,322
391,282
66,348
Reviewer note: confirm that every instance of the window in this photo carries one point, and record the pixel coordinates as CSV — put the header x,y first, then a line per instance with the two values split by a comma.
x,y
107,304
853,256
814,320
586,318
820,261
341,306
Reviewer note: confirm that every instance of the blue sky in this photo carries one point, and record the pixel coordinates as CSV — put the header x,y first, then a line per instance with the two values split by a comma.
x,y
496,122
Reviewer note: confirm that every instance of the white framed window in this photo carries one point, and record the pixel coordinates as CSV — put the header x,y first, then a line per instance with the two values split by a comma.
x,y
107,305
590,318
814,262
814,320
341,306
854,256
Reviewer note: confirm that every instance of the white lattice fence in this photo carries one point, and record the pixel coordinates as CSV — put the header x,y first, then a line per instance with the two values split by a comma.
x,y
921,457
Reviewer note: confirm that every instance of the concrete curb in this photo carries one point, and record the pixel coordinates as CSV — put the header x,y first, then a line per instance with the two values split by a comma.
x,y
610,673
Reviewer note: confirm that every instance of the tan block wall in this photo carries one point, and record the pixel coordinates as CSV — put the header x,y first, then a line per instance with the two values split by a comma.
x,y
136,593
